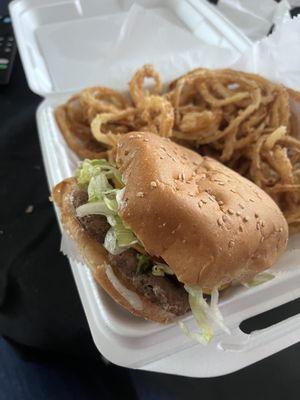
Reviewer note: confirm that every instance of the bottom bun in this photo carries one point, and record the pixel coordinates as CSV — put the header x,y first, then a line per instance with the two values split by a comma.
x,y
96,258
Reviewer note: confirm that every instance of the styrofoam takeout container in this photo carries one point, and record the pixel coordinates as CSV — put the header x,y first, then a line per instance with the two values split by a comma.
x,y
57,41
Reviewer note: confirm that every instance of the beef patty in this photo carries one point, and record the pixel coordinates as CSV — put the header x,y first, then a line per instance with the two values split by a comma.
x,y
95,225
164,291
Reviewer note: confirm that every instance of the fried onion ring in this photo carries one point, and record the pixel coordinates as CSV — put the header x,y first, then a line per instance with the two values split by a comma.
x,y
241,119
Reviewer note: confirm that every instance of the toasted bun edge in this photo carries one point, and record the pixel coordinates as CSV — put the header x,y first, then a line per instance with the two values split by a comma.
x,y
95,255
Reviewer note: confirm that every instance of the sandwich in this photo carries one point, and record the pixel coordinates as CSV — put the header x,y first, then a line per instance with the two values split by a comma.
x,y
163,228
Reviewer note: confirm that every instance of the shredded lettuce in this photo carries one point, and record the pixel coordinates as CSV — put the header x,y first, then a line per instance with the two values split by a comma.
x,y
160,269
144,263
206,315
92,168
110,243
200,310
125,236
259,279
119,198
100,177
192,335
110,201
216,313
97,186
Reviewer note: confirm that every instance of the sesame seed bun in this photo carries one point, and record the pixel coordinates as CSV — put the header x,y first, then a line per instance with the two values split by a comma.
x,y
208,223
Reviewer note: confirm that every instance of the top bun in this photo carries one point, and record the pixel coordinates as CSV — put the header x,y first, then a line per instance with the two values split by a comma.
x,y
208,223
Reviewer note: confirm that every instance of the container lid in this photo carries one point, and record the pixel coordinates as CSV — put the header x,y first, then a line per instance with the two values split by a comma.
x,y
68,45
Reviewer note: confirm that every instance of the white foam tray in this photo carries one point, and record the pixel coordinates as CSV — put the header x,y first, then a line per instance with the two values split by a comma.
x,y
119,336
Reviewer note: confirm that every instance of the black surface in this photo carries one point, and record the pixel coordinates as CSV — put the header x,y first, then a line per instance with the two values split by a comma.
x,y
40,310
39,303
295,11
271,317
7,48
44,377
37,292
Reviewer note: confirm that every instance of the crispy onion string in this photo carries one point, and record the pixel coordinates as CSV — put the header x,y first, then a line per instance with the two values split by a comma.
x,y
242,119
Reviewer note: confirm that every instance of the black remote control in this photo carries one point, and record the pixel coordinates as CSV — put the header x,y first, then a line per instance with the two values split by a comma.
x,y
7,49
